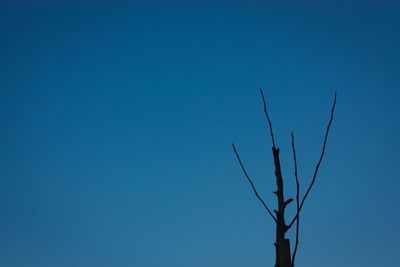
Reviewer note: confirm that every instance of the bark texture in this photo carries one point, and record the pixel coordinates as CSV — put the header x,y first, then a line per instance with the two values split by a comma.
x,y
283,255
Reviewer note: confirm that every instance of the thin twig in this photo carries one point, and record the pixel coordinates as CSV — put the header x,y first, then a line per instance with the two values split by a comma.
x,y
268,119
251,183
318,164
297,200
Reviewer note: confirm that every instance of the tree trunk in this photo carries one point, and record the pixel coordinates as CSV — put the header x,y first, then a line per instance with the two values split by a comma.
x,y
282,244
284,256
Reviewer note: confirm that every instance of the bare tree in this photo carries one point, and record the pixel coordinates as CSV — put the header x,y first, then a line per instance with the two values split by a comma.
x,y
283,256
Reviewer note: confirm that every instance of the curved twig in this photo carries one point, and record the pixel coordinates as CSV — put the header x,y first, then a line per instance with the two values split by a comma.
x,y
318,164
251,183
297,200
268,119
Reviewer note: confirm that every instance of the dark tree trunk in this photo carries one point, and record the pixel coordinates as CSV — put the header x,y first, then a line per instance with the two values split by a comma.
x,y
282,245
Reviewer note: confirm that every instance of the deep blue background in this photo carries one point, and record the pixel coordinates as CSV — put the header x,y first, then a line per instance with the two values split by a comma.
x,y
116,122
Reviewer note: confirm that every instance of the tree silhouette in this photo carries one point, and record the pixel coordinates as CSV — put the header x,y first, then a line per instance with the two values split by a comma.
x,y
283,256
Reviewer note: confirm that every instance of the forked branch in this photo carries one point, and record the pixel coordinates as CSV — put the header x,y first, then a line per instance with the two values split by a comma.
x,y
251,183
318,164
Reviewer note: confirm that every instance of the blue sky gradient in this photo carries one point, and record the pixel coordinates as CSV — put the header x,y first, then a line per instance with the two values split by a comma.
x,y
116,122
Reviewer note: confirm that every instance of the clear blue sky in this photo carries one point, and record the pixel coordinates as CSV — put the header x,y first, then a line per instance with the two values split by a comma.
x,y
116,122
